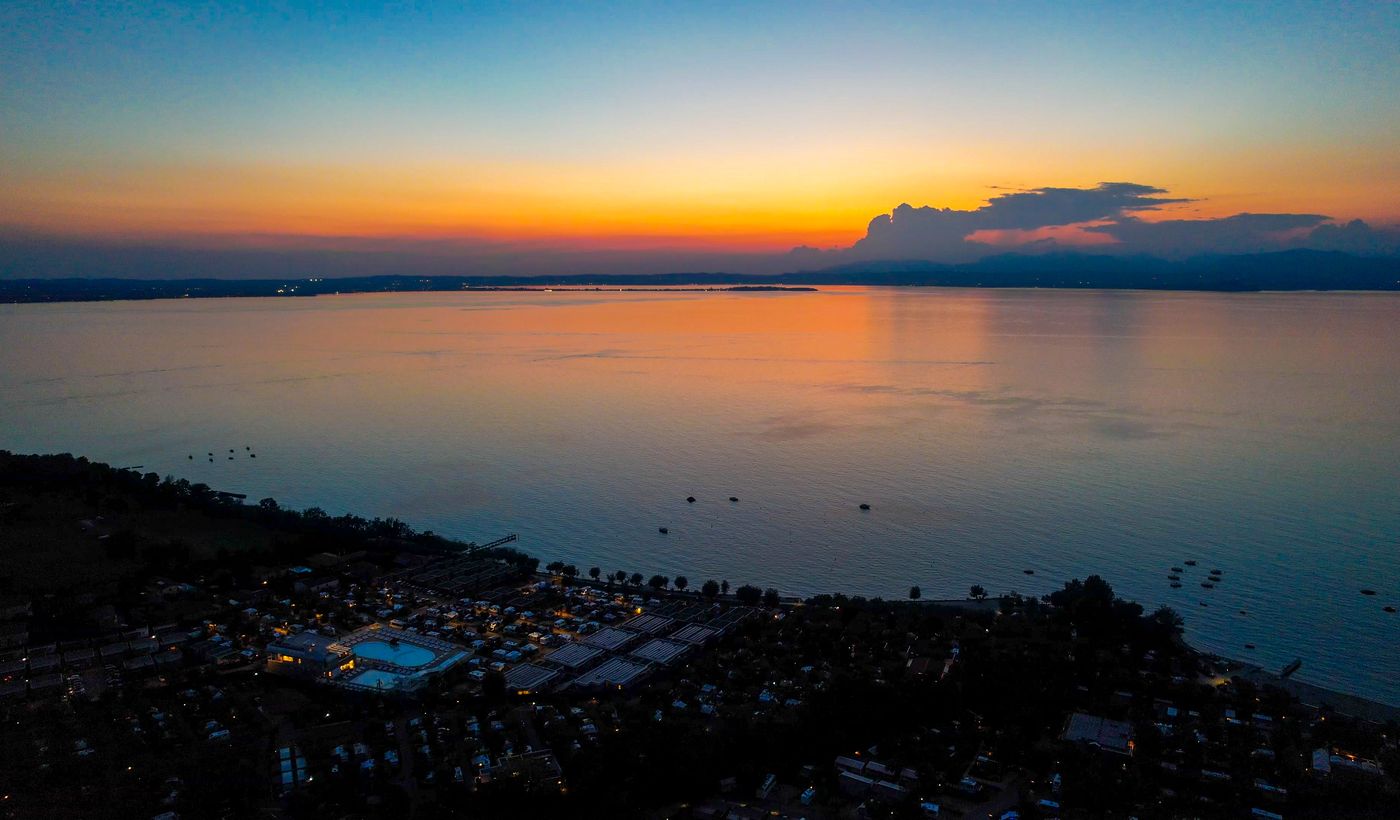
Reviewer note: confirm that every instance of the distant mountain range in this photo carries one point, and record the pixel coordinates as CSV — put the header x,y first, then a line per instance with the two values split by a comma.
x,y
1284,270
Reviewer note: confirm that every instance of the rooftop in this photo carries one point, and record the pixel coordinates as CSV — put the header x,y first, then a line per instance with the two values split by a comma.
x,y
616,672
660,650
1110,735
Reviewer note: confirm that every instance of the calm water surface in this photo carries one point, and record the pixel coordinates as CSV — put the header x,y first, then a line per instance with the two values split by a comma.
x,y
991,431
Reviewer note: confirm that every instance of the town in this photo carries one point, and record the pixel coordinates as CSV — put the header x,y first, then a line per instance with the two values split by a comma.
x,y
193,655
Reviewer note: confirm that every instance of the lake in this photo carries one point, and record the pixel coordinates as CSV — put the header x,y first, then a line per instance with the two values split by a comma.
x,y
992,432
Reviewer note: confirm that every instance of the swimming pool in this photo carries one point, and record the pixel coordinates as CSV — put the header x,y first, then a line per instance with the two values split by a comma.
x,y
376,679
401,654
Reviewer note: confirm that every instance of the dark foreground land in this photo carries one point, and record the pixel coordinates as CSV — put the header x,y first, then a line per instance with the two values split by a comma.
x,y
1284,271
141,676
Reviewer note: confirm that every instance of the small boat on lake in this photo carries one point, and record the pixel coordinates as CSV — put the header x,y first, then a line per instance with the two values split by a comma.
x,y
733,498
1191,563
690,499
663,530
1368,592
865,506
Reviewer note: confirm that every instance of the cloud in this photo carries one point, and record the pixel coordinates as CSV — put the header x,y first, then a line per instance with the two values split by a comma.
x,y
942,233
1241,233
1047,207
1355,237
1108,218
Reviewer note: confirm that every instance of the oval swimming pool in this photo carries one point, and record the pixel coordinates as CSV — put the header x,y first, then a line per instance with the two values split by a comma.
x,y
403,654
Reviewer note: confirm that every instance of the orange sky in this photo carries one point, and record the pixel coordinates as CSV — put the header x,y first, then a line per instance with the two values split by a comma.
x,y
760,202
753,128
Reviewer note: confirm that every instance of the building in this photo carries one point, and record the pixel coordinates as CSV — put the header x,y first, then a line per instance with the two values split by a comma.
x,y
14,634
532,770
1109,735
308,655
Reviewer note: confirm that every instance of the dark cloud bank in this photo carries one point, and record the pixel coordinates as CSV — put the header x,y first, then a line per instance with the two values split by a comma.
x,y
1108,214
1065,237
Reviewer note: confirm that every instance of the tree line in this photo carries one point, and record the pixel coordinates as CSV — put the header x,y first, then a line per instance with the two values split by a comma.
x,y
745,594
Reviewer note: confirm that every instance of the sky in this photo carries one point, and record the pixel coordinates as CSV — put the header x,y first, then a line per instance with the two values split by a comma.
x,y
532,137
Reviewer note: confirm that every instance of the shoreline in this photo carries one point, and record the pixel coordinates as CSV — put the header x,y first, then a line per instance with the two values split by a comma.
x,y
1308,694
1313,695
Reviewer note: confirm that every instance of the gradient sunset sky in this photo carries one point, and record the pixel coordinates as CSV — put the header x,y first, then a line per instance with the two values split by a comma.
x,y
746,128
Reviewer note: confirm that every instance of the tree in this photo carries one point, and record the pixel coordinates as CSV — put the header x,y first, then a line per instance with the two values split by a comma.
x,y
748,594
724,587
621,576
977,591
493,686
681,582
571,571
658,582
555,567
915,593
594,572
122,544
770,597
636,579
1168,620
269,504
710,588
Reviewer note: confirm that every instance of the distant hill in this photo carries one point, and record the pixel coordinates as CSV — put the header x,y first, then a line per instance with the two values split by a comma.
x,y
1284,270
